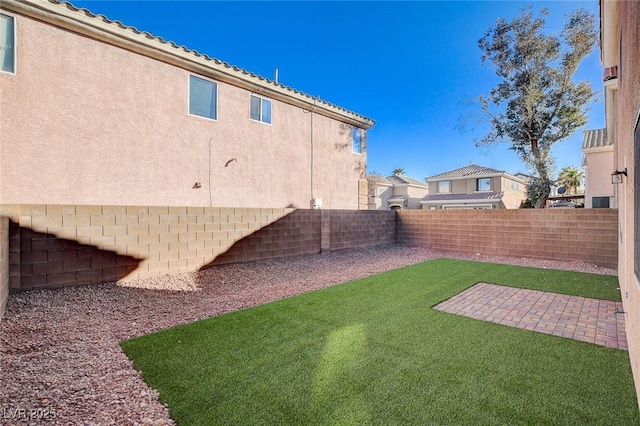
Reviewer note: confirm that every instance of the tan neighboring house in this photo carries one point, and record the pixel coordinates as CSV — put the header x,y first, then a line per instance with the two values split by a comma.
x,y
395,192
474,187
95,112
620,47
597,162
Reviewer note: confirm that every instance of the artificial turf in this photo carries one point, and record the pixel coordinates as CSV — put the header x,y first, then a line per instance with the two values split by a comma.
x,y
372,351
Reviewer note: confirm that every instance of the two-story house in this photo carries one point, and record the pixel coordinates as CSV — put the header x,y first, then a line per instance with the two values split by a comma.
x,y
395,192
474,187
96,112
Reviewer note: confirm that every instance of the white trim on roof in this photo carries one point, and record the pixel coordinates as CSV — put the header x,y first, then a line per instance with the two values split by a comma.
x,y
465,201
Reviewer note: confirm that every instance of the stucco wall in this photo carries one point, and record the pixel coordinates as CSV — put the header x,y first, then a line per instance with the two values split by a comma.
x,y
598,177
415,195
628,110
512,198
575,234
84,122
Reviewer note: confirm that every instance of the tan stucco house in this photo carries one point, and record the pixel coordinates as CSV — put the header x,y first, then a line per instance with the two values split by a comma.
x,y
96,112
395,192
620,56
597,162
474,187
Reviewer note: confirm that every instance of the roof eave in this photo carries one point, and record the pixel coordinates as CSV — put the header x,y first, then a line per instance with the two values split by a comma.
x,y
478,176
98,27
467,200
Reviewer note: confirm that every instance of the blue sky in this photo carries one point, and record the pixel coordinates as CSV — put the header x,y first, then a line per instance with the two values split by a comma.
x,y
414,67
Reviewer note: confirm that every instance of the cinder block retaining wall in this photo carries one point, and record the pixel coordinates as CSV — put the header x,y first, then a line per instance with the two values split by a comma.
x,y
53,246
562,234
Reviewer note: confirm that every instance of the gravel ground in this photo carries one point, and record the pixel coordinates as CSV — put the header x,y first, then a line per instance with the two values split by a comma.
x,y
60,362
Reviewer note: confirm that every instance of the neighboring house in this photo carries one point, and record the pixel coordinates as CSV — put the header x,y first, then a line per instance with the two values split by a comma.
x,y
95,112
620,47
597,162
474,187
395,192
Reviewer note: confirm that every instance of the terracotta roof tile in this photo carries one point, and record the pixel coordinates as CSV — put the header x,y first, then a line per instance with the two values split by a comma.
x,y
470,170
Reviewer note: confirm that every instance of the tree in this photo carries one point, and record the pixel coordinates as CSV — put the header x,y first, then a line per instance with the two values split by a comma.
x,y
537,103
399,171
570,177
537,190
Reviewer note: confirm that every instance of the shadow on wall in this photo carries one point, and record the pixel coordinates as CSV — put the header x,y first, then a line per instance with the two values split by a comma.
x,y
295,234
40,260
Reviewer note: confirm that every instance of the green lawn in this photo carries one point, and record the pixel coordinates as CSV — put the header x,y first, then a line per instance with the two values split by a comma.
x,y
372,351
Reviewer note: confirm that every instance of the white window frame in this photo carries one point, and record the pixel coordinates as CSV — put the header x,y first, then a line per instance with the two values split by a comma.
x,y
15,43
262,99
478,185
444,192
359,131
215,83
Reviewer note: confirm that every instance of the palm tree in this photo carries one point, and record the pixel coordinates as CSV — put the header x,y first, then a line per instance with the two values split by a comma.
x,y
570,177
398,171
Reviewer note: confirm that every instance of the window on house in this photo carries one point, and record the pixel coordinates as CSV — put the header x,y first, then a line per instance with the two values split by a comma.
x,y
444,186
600,202
203,98
356,140
260,109
483,184
7,44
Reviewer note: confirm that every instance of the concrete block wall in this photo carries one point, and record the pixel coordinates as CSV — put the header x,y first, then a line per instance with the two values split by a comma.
x,y
56,246
295,234
4,263
350,229
562,234
53,246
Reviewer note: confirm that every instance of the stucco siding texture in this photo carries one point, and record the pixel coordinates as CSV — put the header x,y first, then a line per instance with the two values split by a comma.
x,y
628,110
84,122
598,177
512,198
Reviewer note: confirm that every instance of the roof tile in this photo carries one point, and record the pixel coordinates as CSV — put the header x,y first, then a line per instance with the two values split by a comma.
x,y
595,139
470,170
400,179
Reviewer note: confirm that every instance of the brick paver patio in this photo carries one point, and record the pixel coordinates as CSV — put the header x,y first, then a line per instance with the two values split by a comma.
x,y
600,322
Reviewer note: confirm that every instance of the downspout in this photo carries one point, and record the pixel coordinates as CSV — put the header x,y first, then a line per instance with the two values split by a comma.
x,y
312,153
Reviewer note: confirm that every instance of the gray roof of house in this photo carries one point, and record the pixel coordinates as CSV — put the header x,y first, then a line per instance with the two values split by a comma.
x,y
476,196
470,170
399,179
379,179
595,139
